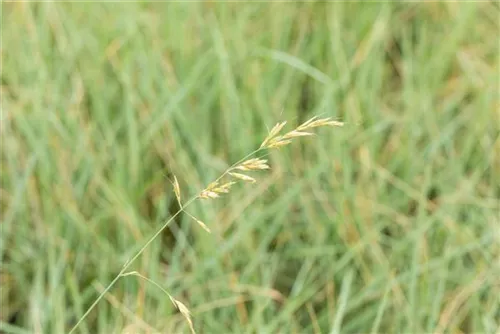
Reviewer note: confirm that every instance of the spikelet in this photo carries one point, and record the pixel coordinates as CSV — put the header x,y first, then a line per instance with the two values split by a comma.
x,y
273,133
224,189
214,190
185,313
243,177
208,191
177,191
273,140
202,224
278,142
316,122
253,164
296,133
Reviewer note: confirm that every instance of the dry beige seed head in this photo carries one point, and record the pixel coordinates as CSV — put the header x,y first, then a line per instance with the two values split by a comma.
x,y
295,133
304,125
212,185
213,190
185,312
177,190
335,123
208,191
203,225
206,194
224,188
253,164
243,177
286,139
279,143
274,131
315,122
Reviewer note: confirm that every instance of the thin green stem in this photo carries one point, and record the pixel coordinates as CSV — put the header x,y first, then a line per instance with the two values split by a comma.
x,y
135,273
125,267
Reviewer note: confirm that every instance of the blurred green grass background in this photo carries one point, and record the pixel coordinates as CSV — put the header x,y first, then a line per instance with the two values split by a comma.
x,y
387,225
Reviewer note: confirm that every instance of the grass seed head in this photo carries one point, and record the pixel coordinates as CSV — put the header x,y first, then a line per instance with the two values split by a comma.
x,y
203,225
273,133
296,133
243,177
224,188
279,142
273,140
317,122
186,314
253,164
214,190
177,190
207,194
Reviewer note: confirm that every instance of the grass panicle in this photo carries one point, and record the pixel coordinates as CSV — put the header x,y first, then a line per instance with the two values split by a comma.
x,y
273,140
214,190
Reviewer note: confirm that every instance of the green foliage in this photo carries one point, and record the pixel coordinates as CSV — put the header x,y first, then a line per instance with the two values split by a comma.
x,y
389,224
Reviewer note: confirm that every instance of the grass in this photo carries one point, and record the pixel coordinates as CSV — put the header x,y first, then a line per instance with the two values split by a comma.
x,y
388,224
220,186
